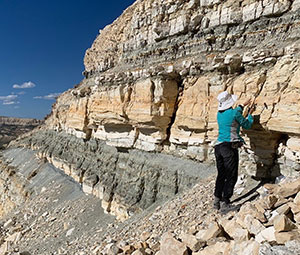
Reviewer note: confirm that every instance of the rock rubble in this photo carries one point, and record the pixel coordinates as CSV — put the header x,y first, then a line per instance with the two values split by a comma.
x,y
187,224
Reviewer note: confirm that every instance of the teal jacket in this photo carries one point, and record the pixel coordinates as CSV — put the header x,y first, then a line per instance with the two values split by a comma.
x,y
230,121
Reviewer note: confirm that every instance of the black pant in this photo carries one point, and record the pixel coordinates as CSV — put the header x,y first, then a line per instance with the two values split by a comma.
x,y
227,159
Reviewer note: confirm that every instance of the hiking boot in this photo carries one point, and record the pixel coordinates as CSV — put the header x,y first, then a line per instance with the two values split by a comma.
x,y
226,200
226,207
217,203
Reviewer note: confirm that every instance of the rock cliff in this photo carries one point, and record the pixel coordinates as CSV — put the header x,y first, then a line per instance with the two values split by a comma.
x,y
150,86
152,76
140,127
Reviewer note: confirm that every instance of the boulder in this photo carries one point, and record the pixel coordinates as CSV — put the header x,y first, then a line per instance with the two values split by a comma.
x,y
281,201
283,223
250,247
283,237
251,209
284,209
214,230
217,248
297,199
192,242
169,245
199,235
267,234
253,225
269,202
235,230
288,189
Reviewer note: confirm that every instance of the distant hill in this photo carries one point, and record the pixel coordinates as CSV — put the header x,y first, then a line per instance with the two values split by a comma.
x,y
11,128
19,121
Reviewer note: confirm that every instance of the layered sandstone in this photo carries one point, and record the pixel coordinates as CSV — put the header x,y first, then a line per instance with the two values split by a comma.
x,y
152,78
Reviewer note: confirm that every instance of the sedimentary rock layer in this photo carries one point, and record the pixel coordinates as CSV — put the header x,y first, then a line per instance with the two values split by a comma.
x,y
23,175
152,78
126,182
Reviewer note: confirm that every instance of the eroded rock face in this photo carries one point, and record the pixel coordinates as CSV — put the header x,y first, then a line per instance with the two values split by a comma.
x,y
129,116
153,31
126,182
152,78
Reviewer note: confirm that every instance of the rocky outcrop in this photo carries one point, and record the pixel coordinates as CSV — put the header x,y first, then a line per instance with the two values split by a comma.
x,y
152,32
152,78
72,222
257,227
135,130
39,201
12,189
126,182
20,178
269,224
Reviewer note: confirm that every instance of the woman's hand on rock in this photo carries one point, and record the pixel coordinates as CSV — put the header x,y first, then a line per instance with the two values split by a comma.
x,y
248,101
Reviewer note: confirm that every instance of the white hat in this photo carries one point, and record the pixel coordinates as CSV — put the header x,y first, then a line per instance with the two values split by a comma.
x,y
226,100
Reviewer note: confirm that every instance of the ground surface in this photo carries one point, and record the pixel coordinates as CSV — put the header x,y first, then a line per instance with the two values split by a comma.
x,y
60,219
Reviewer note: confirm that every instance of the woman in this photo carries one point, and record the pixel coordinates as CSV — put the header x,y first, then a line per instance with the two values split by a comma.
x,y
226,149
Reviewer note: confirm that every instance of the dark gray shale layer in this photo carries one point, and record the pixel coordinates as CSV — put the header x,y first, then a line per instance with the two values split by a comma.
x,y
134,180
45,190
23,176
36,174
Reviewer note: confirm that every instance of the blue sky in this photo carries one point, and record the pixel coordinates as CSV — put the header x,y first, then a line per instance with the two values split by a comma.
x,y
42,45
